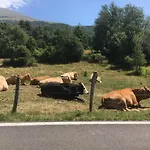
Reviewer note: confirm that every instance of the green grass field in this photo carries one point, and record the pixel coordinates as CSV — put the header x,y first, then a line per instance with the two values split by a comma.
x,y
31,107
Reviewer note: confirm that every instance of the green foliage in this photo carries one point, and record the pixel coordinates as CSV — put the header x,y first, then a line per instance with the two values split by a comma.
x,y
96,58
43,43
129,62
138,55
82,36
115,32
85,74
48,55
70,50
18,35
21,57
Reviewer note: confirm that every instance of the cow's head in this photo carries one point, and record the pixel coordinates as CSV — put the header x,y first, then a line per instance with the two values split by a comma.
x,y
75,76
98,79
142,93
83,89
27,77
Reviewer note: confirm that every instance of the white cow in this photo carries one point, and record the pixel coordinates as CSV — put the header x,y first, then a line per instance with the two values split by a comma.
x,y
3,84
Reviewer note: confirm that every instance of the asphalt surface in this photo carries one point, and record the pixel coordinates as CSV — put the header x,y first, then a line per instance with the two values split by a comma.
x,y
76,137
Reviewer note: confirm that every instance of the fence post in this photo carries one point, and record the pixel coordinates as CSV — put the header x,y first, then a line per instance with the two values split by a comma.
x,y
14,109
95,75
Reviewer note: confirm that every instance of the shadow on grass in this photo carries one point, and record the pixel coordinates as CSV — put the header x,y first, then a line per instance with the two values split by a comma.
x,y
77,99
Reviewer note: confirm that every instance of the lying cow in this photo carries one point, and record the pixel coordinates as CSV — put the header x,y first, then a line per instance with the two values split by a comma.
x,y
98,79
125,98
64,79
23,79
3,84
36,81
67,91
71,75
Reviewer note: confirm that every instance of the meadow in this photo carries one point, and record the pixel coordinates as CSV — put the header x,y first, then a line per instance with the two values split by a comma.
x,y
31,107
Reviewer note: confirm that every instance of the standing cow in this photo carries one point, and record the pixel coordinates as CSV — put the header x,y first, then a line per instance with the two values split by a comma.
x,y
67,91
125,98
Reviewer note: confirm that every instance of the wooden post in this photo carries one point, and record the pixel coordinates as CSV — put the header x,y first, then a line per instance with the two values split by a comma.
x,y
95,75
14,109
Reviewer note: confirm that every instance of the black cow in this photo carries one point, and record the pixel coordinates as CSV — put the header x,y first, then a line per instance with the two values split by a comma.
x,y
67,91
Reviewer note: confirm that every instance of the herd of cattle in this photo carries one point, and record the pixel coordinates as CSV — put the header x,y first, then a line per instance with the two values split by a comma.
x,y
55,87
62,87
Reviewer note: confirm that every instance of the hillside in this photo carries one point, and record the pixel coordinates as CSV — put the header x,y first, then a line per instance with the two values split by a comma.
x,y
6,14
13,17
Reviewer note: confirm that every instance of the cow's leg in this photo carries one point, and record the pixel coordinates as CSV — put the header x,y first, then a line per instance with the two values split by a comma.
x,y
22,83
100,107
136,104
123,105
79,99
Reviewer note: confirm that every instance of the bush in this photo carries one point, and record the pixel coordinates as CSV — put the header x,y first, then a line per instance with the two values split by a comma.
x,y
20,57
47,56
96,58
128,62
70,50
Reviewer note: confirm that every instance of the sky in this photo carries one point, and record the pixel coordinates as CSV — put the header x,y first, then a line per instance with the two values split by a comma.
x,y
72,12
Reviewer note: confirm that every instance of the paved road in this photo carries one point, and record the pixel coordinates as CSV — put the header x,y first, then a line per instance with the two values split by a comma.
x,y
75,137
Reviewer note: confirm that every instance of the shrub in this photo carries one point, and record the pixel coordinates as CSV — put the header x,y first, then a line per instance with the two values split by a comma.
x,y
70,50
20,57
96,58
129,62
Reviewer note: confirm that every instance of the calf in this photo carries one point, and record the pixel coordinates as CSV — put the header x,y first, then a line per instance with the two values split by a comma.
x,y
67,91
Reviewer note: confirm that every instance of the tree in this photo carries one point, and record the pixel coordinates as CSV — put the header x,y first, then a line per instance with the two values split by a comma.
x,y
21,57
82,36
18,35
146,40
115,29
65,48
138,55
26,26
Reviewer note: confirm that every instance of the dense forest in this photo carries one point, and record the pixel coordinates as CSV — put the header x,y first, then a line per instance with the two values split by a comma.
x,y
120,36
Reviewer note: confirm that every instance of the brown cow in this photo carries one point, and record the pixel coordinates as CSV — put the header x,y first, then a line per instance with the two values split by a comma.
x,y
71,75
125,98
23,79
3,84
64,79
35,81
